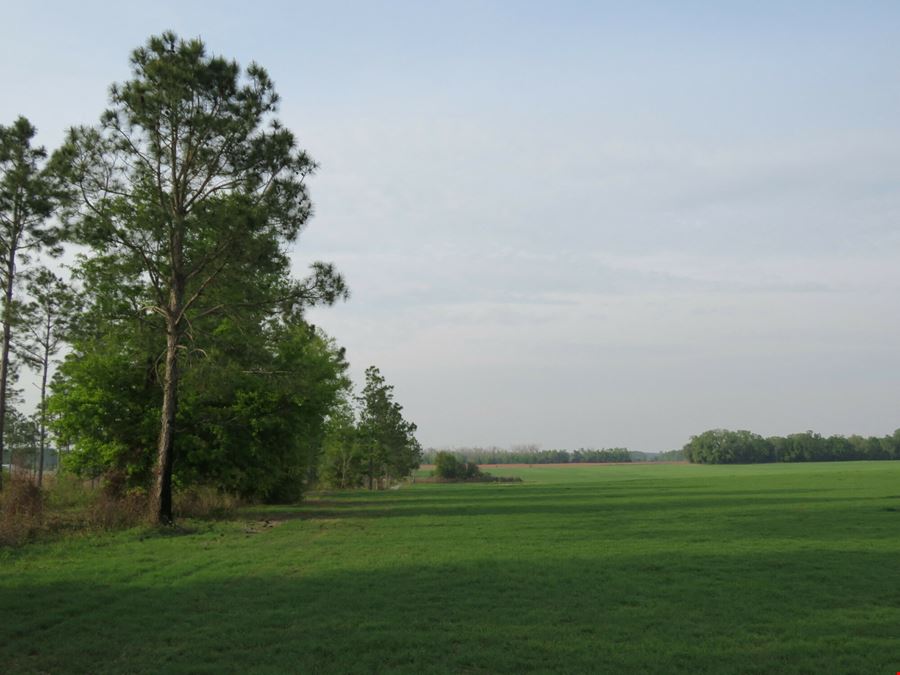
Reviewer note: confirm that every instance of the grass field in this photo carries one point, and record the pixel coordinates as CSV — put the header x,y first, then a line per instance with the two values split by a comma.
x,y
675,568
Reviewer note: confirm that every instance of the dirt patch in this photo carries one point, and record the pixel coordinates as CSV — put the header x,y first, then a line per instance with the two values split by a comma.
x,y
258,526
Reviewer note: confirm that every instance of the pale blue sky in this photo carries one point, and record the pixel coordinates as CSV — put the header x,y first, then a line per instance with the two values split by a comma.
x,y
576,224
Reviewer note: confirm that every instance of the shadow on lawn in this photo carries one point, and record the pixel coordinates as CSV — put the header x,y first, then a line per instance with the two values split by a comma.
x,y
815,611
442,492
437,495
754,516
561,503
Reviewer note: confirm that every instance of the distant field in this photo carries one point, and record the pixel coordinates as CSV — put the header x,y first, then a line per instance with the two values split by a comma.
x,y
426,468
631,568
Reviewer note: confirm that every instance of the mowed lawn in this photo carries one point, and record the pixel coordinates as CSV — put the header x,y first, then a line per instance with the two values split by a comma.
x,y
646,568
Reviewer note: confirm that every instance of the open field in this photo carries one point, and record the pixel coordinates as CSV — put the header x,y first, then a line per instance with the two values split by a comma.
x,y
426,468
642,568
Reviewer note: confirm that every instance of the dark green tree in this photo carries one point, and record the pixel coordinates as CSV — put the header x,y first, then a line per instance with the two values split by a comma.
x,y
192,182
721,446
446,465
31,191
388,441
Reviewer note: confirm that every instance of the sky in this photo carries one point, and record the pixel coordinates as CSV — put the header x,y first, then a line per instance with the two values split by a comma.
x,y
574,224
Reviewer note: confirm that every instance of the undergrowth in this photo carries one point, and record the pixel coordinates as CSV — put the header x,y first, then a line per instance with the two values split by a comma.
x,y
21,511
68,504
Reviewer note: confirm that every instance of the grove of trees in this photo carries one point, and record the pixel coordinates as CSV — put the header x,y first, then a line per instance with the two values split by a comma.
x,y
189,357
721,446
367,441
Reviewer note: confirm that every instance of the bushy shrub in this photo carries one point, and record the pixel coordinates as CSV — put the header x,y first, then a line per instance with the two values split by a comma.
x,y
471,470
448,467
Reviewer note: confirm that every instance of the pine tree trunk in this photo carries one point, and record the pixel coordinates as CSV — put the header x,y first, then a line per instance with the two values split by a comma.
x,y
4,356
165,457
162,493
46,365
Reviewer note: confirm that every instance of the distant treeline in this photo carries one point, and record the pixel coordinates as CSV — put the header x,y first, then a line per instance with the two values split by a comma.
x,y
721,446
533,455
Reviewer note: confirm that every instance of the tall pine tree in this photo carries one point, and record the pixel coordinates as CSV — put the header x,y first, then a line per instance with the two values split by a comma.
x,y
191,179
31,191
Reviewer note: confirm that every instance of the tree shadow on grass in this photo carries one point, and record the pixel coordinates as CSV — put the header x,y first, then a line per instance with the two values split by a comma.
x,y
760,515
440,497
565,504
810,611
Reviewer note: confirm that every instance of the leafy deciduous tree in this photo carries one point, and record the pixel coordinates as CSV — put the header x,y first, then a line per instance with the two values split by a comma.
x,y
255,394
342,461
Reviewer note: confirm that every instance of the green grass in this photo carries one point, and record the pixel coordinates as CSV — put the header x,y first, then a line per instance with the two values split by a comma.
x,y
676,568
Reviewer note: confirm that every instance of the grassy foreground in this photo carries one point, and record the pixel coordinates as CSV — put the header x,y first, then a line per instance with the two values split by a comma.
x,y
753,569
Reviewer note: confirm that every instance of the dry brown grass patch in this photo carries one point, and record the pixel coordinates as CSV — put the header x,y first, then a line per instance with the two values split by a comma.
x,y
205,502
21,511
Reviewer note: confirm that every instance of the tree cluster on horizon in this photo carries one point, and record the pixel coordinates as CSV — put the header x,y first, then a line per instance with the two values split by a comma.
x,y
531,454
722,446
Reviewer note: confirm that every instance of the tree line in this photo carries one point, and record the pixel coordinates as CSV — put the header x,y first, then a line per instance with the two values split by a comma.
x,y
721,446
532,455
189,358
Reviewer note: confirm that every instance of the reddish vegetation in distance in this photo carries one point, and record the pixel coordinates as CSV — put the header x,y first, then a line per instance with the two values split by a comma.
x,y
559,465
